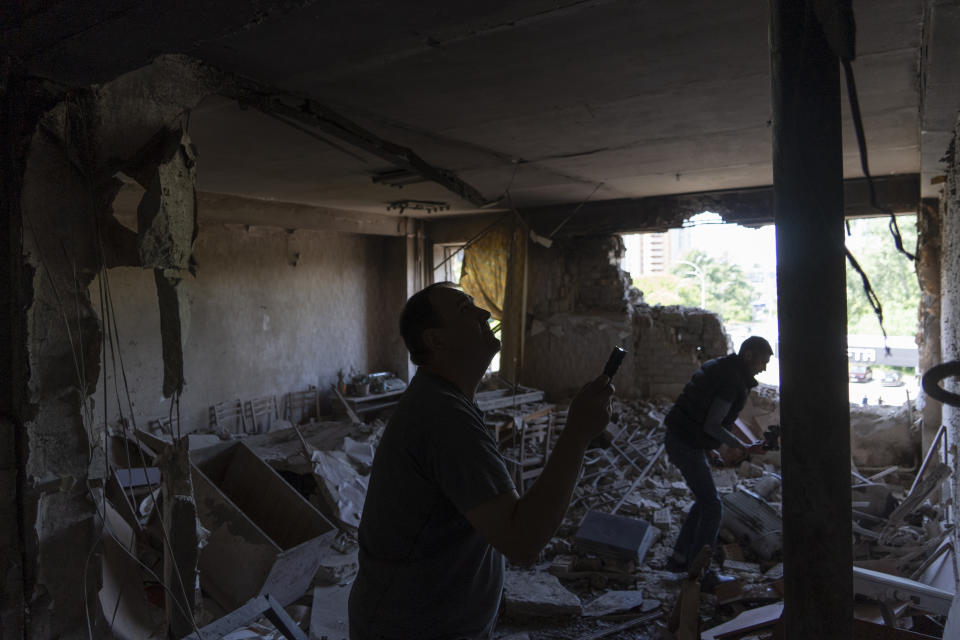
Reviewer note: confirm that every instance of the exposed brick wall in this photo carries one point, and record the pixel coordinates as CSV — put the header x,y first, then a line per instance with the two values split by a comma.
x,y
582,304
580,274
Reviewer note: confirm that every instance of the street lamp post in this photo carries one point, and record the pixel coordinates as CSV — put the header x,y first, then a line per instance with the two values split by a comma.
x,y
698,272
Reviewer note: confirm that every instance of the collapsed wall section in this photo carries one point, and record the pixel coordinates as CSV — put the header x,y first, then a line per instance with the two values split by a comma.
x,y
582,304
67,186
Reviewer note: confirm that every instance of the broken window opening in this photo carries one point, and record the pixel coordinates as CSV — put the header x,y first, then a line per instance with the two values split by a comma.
x,y
732,270
447,262
724,268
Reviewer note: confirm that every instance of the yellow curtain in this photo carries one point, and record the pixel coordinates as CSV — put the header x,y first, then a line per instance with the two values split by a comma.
x,y
484,273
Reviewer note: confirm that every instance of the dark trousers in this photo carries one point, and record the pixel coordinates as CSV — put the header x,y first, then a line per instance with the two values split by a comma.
x,y
703,521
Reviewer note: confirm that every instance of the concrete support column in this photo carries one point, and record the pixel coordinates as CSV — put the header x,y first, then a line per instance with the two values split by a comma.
x,y
811,285
950,313
417,269
19,110
928,273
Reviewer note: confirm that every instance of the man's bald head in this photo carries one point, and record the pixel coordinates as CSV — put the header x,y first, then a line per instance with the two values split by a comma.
x,y
418,315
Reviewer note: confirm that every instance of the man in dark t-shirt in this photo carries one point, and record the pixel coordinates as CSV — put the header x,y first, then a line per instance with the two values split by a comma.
x,y
441,510
699,421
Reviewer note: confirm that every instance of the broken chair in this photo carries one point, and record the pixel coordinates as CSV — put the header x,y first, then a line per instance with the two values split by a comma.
x,y
228,417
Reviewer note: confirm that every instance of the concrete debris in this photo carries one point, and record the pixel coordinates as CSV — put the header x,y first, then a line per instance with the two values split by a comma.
x,y
617,536
630,494
360,453
613,602
535,594
337,569
343,489
751,542
768,488
752,518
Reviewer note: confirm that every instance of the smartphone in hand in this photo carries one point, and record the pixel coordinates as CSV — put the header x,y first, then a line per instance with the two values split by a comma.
x,y
614,362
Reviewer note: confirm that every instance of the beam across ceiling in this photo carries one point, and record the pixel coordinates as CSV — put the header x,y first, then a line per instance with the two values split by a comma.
x,y
219,208
751,207
302,111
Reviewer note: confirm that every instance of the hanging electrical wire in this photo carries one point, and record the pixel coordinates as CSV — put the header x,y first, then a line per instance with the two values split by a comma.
x,y
864,165
486,229
110,337
575,211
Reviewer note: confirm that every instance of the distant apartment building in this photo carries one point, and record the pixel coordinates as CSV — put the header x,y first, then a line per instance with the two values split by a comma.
x,y
655,253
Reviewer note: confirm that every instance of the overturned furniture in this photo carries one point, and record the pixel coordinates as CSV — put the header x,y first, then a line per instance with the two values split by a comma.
x,y
265,538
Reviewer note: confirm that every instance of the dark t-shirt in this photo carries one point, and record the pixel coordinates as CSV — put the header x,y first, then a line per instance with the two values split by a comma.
x,y
425,572
726,378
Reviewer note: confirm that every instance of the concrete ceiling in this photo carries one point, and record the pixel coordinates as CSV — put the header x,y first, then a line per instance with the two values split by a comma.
x,y
546,98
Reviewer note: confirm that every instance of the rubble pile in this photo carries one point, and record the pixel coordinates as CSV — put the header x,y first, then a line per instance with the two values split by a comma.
x,y
899,530
277,513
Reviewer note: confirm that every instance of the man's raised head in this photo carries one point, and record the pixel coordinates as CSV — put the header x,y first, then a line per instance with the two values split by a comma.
x,y
417,316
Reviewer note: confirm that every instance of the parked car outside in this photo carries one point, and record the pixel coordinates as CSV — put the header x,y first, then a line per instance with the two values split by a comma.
x,y
891,379
861,373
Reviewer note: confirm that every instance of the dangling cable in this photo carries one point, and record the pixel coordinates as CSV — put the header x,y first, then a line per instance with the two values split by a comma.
x,y
872,297
862,145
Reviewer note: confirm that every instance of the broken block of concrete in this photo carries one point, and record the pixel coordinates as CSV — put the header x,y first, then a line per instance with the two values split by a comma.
x,y
167,215
343,489
337,568
749,516
725,478
767,487
663,518
739,565
265,538
616,536
360,453
537,594
613,602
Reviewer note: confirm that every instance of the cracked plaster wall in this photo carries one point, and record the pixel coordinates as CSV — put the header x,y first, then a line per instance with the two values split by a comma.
x,y
269,312
582,305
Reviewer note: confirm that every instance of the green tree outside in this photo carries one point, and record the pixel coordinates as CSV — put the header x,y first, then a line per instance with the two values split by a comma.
x,y
727,291
891,274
